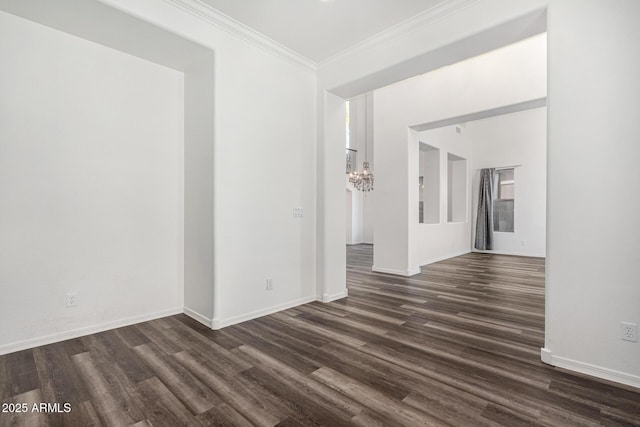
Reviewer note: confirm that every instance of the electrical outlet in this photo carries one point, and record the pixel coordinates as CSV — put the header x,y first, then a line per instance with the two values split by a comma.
x,y
72,299
269,284
629,331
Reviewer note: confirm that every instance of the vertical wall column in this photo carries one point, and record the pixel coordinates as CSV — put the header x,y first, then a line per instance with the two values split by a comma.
x,y
394,150
592,209
199,191
332,263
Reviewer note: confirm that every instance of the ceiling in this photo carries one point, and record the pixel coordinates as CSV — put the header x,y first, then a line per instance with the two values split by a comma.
x,y
319,29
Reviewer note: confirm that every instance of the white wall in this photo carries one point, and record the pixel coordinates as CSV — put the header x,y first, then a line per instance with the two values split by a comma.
x,y
354,214
444,239
332,253
198,189
360,223
91,185
503,77
264,162
349,216
515,139
593,204
265,124
369,202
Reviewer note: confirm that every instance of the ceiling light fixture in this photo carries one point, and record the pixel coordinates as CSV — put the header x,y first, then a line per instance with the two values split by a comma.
x,y
363,181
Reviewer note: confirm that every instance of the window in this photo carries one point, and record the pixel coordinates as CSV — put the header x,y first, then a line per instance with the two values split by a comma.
x,y
503,204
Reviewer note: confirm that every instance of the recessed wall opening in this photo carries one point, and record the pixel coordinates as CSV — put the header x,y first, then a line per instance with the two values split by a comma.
x,y
456,188
429,185
145,98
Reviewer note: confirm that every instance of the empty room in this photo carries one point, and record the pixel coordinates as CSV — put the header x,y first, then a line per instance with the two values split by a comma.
x,y
181,243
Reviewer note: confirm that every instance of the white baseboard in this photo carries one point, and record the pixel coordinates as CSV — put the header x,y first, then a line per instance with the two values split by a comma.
x,y
221,323
405,273
442,258
333,297
197,316
87,330
549,358
509,253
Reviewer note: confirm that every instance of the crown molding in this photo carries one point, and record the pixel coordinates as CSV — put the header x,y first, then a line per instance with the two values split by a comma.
x,y
203,11
215,17
421,20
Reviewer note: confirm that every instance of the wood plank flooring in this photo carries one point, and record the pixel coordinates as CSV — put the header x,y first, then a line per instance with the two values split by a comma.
x,y
457,345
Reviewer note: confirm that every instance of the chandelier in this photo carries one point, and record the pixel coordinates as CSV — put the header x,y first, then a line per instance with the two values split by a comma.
x,y
363,180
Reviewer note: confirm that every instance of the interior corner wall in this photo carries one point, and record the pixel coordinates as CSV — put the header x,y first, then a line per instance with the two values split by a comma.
x,y
507,140
264,166
507,76
91,178
593,151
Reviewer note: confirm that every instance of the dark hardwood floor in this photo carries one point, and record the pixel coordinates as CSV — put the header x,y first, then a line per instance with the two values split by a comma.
x,y
457,345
